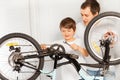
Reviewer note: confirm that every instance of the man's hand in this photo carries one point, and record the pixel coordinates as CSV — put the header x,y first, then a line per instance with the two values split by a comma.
x,y
111,36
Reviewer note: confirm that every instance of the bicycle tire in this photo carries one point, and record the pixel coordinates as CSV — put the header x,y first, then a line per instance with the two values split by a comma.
x,y
34,43
87,32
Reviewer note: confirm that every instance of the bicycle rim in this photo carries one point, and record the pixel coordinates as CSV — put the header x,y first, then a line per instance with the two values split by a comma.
x,y
104,22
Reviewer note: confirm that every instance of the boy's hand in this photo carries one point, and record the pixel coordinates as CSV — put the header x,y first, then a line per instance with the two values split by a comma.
x,y
43,46
74,46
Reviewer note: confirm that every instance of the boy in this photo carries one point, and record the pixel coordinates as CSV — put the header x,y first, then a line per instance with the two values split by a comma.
x,y
72,45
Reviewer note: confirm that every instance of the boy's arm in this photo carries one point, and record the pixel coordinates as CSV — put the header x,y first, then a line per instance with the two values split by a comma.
x,y
80,49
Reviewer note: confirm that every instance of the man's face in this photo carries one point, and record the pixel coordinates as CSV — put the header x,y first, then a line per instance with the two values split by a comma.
x,y
87,15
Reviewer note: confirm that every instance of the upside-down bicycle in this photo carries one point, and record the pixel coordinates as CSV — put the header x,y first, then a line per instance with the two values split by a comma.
x,y
21,57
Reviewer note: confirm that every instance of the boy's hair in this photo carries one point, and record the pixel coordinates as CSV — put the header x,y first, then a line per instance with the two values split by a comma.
x,y
93,4
68,23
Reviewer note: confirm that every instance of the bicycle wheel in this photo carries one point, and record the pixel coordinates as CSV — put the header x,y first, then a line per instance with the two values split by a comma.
x,y
24,45
101,24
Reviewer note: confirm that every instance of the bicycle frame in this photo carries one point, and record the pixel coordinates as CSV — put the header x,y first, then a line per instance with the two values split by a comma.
x,y
71,59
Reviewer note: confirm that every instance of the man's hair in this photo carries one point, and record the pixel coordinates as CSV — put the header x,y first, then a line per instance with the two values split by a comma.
x,y
68,23
93,4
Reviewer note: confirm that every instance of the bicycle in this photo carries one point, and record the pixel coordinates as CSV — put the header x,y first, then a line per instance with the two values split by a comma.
x,y
22,58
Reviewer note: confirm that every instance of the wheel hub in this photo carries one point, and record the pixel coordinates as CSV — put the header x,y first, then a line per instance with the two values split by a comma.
x,y
15,60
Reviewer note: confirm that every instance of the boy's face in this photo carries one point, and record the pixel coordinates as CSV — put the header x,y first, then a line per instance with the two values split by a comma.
x,y
67,33
87,15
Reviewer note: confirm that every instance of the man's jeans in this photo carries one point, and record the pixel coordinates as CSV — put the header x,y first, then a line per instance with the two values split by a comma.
x,y
94,73
90,75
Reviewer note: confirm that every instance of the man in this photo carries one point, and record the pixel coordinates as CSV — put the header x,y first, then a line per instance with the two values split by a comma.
x,y
89,10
